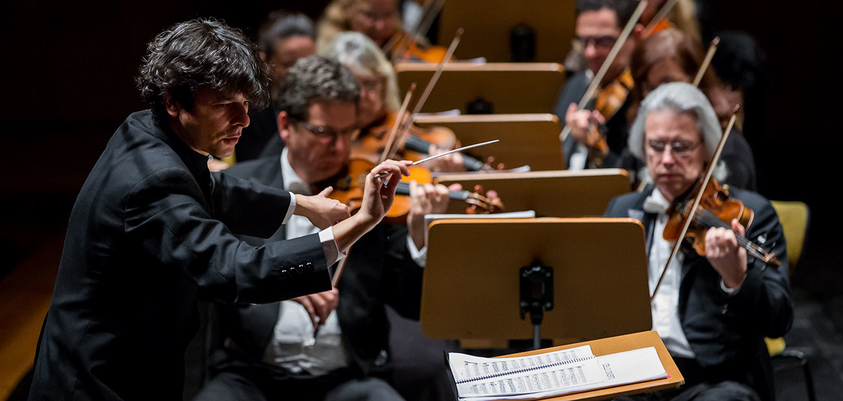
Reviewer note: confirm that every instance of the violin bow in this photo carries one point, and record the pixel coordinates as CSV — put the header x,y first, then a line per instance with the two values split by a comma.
x,y
405,127
708,172
595,82
712,48
391,140
662,14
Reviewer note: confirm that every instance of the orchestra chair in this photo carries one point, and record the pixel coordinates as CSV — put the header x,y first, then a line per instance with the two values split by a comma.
x,y
794,217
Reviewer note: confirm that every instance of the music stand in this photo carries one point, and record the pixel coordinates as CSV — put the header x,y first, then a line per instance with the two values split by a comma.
x,y
472,289
526,139
549,193
509,87
489,36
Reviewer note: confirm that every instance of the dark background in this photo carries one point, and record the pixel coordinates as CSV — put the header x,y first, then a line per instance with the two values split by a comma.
x,y
68,80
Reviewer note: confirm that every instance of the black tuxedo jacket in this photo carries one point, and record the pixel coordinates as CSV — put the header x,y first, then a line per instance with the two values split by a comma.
x,y
152,230
380,271
726,332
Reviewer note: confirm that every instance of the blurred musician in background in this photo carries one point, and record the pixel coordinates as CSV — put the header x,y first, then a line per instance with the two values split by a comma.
x,y
598,25
282,39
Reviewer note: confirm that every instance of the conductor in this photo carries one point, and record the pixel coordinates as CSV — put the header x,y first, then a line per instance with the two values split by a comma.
x,y
152,229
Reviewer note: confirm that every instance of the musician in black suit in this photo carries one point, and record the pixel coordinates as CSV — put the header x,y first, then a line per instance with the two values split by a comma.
x,y
152,230
712,311
331,345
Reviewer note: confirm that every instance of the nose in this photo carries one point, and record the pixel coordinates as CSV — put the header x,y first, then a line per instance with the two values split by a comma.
x,y
241,114
590,50
668,156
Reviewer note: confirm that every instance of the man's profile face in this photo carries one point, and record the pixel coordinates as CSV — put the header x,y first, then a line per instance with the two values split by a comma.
x,y
320,147
673,172
214,124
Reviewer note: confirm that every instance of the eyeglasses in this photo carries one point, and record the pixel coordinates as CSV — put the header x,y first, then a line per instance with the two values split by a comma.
x,y
370,85
324,133
679,148
603,42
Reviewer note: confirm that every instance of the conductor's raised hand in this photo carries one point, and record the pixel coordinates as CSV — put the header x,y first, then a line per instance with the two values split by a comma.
x,y
379,192
321,210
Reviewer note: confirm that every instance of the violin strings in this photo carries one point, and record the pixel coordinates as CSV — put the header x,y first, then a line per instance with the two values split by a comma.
x,y
708,219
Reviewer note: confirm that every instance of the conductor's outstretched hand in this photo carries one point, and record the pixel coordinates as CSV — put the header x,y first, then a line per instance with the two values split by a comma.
x,y
379,192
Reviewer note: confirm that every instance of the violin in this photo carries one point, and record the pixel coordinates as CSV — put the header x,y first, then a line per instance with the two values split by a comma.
x,y
413,46
716,209
348,189
608,101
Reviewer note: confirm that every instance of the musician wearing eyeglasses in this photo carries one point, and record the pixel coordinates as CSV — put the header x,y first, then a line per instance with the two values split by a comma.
x,y
331,345
599,23
712,311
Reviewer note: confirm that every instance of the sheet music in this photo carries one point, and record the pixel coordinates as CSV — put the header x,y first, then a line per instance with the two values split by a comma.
x,y
549,374
480,378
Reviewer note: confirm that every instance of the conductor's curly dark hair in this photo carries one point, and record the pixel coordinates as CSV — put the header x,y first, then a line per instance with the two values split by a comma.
x,y
201,54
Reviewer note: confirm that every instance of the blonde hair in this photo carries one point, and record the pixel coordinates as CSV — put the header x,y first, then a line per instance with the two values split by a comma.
x,y
364,57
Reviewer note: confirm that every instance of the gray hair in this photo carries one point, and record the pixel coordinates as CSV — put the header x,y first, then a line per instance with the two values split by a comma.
x,y
315,79
679,97
364,57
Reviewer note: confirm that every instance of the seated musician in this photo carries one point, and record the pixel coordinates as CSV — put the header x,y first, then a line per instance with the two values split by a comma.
x,y
381,22
379,103
598,25
711,311
331,345
282,39
674,56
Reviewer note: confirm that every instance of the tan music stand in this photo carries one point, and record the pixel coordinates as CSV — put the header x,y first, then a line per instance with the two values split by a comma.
x,y
612,345
549,193
526,139
489,35
472,285
510,87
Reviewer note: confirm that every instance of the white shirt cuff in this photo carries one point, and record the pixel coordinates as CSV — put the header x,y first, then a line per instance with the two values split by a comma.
x,y
329,247
730,291
418,255
291,208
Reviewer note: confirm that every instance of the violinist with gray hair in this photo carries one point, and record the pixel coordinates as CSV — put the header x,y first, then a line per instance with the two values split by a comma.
x,y
712,311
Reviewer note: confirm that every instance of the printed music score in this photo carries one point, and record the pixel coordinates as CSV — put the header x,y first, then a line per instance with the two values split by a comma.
x,y
549,374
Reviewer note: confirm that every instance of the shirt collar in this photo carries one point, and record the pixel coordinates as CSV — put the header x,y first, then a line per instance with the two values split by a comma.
x,y
656,203
292,181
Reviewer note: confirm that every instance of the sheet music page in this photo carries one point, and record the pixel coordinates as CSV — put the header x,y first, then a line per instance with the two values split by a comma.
x,y
549,375
481,378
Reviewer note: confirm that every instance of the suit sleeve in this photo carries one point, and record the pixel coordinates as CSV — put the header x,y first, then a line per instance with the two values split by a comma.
x,y
166,221
248,208
764,297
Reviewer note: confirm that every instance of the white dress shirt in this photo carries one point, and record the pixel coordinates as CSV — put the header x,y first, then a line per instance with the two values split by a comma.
x,y
664,307
293,346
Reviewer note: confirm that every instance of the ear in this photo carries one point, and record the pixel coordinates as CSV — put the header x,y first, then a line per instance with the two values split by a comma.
x,y
172,106
263,56
283,123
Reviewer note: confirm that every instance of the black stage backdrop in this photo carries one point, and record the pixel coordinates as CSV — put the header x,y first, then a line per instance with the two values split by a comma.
x,y
68,80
